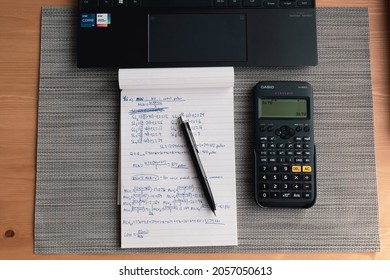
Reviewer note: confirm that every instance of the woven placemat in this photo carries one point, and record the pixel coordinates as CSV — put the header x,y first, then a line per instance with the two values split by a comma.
x,y
77,153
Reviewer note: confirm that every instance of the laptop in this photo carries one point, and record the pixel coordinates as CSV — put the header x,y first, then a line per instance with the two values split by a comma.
x,y
180,33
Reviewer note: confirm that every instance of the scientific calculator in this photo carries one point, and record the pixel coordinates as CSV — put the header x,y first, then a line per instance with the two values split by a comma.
x,y
285,160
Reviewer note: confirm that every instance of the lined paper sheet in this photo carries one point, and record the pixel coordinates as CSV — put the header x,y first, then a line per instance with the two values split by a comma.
x,y
162,202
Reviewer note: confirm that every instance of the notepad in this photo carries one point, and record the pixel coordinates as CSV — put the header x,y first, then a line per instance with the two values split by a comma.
x,y
162,202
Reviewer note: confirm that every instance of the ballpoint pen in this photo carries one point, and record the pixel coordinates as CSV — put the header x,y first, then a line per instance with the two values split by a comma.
x,y
185,126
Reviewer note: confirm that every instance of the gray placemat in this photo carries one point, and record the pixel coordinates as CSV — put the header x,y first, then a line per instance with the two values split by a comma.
x,y
77,153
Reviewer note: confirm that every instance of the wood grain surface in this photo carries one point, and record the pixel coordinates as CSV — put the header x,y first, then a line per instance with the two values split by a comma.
x,y
19,77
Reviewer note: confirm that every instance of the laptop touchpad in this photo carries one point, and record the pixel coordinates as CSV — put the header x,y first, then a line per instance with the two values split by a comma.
x,y
197,37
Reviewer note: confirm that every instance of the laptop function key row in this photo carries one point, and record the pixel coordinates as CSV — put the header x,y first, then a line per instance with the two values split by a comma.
x,y
91,4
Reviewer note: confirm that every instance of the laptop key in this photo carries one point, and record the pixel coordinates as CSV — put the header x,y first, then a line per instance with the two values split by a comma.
x,y
287,4
270,4
220,3
120,3
234,3
252,3
134,3
88,4
304,3
105,3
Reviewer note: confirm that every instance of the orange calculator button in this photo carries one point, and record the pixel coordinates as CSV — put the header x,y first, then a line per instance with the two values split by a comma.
x,y
296,168
306,168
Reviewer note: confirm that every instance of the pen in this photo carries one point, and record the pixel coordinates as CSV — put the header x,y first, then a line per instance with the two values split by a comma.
x,y
185,126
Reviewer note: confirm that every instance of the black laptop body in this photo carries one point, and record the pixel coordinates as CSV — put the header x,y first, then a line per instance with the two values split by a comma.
x,y
179,33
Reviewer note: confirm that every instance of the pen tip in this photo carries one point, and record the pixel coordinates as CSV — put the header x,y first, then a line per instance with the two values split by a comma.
x,y
181,119
214,213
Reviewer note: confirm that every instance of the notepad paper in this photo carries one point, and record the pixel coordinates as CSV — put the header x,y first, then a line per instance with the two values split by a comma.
x,y
162,202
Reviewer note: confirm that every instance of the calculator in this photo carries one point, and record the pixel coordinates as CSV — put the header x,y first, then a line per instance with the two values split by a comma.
x,y
285,159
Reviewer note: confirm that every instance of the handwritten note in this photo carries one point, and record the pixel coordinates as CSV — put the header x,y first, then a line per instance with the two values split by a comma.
x,y
162,202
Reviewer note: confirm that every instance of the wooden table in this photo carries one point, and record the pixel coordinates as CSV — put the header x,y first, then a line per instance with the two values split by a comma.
x,y
19,76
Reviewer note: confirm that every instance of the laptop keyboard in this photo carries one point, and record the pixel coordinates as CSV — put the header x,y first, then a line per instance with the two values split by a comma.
x,y
236,4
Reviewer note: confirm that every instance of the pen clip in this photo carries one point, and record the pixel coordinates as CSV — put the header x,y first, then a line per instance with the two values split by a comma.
x,y
190,135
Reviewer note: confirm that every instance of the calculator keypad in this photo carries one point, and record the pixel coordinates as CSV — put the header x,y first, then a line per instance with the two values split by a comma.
x,y
285,163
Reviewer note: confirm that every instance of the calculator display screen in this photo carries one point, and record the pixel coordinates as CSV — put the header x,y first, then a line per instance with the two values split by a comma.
x,y
283,108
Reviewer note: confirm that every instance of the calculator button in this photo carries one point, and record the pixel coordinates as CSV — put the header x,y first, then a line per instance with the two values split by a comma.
x,y
274,194
306,139
306,186
306,146
274,177
298,160
274,186
296,177
296,195
286,195
306,195
298,139
298,128
264,195
306,160
286,168
285,177
285,186
280,145
264,186
296,168
270,128
306,129
263,138
306,168
264,168
286,132
264,177
274,168
262,128
307,177
296,186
